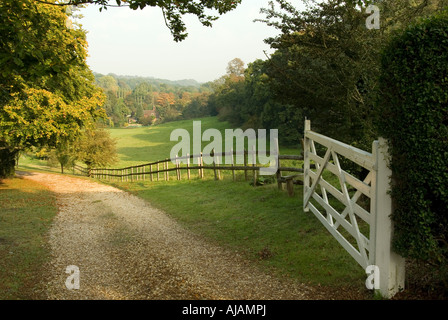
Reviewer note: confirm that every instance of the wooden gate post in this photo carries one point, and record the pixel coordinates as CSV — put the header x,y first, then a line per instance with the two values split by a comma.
x,y
391,266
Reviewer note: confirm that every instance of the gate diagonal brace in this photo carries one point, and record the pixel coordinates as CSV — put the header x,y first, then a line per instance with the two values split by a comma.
x,y
319,174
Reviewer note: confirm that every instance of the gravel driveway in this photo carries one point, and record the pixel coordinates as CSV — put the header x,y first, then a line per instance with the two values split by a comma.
x,y
126,249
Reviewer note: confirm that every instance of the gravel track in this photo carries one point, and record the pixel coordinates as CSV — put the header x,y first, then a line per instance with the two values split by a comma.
x,y
127,250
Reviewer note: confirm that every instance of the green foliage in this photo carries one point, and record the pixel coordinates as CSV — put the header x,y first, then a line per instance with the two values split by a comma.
x,y
413,115
197,108
64,154
173,11
245,99
327,62
47,93
96,149
131,96
325,66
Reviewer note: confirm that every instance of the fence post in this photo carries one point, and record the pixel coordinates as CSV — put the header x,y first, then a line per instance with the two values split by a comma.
x,y
254,162
214,164
167,172
245,163
202,167
232,164
278,174
188,166
217,164
306,165
177,168
391,266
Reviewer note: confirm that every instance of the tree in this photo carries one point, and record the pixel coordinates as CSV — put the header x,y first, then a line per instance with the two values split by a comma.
x,y
96,149
327,62
64,154
108,83
47,92
173,11
235,68
324,64
197,107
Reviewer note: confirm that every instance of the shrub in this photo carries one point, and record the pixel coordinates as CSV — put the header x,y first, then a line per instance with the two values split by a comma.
x,y
96,149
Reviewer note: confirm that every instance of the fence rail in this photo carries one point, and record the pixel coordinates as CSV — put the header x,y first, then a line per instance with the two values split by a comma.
x,y
161,169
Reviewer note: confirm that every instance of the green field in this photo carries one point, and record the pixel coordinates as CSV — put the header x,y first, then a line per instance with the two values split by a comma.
x,y
147,144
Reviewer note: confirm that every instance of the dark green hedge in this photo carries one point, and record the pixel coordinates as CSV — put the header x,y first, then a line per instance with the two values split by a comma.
x,y
413,115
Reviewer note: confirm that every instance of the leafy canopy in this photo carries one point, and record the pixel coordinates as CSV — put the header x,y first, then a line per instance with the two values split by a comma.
x,y
47,91
173,10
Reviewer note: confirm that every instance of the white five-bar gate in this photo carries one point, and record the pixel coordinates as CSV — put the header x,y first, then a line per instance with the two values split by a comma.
x,y
356,212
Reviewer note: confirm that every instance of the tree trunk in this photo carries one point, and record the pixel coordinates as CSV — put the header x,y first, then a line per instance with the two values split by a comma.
x,y
8,162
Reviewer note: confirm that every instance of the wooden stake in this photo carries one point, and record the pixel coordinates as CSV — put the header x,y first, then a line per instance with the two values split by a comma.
x,y
231,163
254,162
246,154
188,166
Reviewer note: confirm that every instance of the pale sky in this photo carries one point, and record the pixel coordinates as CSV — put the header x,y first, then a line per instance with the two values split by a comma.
x,y
128,42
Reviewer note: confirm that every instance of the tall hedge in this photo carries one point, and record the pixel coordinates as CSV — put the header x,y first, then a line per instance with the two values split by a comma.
x,y
413,115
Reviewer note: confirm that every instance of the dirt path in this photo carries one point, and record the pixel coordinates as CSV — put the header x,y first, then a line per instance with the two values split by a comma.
x,y
126,249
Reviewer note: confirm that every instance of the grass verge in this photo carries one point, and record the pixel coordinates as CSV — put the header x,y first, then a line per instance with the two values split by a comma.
x,y
27,210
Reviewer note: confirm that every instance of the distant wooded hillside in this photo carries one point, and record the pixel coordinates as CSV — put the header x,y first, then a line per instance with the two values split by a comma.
x,y
134,81
146,100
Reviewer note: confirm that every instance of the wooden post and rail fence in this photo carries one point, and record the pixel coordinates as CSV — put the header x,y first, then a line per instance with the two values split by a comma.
x,y
164,170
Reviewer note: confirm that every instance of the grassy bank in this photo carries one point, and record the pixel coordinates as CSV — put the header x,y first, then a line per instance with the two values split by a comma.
x,y
26,212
